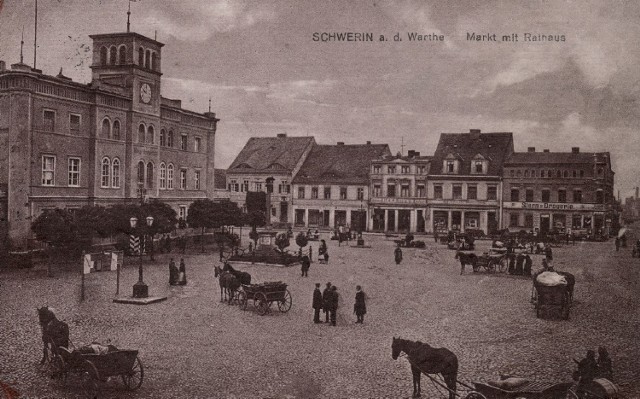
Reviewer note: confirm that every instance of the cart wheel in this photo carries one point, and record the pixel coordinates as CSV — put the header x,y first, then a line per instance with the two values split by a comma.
x,y
261,303
133,379
572,395
491,266
242,300
285,304
90,380
58,368
503,265
475,395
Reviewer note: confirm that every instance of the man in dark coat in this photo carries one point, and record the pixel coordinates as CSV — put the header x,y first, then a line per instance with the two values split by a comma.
x,y
359,308
398,255
317,304
305,264
326,301
173,273
334,304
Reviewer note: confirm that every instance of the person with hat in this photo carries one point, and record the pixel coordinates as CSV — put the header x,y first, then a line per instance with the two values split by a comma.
x,y
317,304
326,301
360,308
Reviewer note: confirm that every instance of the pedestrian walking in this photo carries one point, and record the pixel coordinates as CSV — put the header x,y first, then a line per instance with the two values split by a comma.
x,y
398,255
173,272
317,304
334,298
326,302
360,308
305,264
182,276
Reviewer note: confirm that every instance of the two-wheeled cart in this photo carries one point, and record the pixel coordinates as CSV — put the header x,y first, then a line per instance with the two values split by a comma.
x,y
264,295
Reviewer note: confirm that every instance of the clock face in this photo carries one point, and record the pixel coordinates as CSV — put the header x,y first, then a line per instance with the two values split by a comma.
x,y
145,93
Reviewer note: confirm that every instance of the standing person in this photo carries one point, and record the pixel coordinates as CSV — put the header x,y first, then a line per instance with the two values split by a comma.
x,y
435,235
617,244
605,369
340,235
326,301
173,272
305,264
548,254
398,255
182,276
317,304
360,308
334,304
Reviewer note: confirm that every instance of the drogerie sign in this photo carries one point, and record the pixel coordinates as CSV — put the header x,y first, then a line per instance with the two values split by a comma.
x,y
560,206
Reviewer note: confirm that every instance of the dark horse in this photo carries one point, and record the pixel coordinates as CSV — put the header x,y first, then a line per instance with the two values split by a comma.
x,y
425,359
467,258
229,284
244,277
54,332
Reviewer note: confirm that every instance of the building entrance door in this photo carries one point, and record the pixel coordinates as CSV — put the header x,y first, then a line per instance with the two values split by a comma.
x,y
284,212
326,218
340,218
378,220
545,223
420,224
404,223
391,223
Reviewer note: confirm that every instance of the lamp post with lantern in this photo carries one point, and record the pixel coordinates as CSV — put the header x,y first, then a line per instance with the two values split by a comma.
x,y
140,289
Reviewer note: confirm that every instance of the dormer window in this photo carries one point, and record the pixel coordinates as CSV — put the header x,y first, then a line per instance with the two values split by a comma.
x,y
451,164
479,165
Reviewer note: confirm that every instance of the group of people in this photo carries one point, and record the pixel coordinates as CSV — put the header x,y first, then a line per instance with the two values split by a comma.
x,y
591,368
177,276
328,302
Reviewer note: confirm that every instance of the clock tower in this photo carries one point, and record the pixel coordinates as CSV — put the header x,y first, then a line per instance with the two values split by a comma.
x,y
131,64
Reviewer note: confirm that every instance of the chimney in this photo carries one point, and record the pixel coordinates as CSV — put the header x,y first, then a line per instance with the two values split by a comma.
x,y
575,150
531,149
411,153
368,143
3,66
416,153
340,142
475,133
282,135
545,150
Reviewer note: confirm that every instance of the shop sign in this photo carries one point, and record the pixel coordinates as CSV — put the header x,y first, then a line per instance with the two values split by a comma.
x,y
396,200
558,206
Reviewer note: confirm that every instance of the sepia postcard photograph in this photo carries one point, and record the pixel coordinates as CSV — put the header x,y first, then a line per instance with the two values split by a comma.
x,y
306,199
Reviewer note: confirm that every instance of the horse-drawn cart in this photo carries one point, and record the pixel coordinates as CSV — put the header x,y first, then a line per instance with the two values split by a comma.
x,y
527,390
95,368
264,295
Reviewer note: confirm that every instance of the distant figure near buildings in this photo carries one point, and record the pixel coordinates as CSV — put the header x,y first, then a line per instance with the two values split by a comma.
x,y
317,304
398,255
360,308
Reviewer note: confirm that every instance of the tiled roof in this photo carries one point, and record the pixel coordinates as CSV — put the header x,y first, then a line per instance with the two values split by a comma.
x,y
270,153
556,157
495,147
340,164
220,179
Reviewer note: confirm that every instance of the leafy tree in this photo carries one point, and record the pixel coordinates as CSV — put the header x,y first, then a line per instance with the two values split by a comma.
x,y
302,240
256,208
164,216
91,221
55,227
205,213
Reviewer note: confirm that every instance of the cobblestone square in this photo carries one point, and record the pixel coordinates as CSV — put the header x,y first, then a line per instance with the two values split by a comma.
x,y
192,345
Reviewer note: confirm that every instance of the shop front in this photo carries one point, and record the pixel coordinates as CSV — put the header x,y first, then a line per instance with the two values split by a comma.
x,y
556,217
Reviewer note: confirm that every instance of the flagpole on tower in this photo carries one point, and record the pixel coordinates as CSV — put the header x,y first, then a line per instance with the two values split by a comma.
x,y
22,45
128,14
35,37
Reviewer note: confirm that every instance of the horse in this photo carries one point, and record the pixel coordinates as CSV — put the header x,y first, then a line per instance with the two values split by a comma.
x,y
244,277
428,360
467,259
229,284
54,332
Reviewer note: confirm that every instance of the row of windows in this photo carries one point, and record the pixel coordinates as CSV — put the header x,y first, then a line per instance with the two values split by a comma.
x,y
110,173
404,169
117,55
405,191
343,193
478,167
283,188
472,192
49,121
561,195
49,171
559,220
166,179
549,173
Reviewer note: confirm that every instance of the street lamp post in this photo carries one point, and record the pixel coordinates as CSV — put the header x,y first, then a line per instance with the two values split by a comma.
x,y
140,289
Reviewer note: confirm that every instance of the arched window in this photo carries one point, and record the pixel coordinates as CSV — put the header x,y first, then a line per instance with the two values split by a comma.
x,y
141,56
163,138
147,59
150,135
141,172
519,173
163,176
150,175
154,61
115,175
115,133
113,55
122,55
575,173
141,131
106,128
105,175
170,176
170,139
103,55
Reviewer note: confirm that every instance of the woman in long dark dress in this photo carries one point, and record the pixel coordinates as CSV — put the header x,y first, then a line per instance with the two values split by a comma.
x,y
360,307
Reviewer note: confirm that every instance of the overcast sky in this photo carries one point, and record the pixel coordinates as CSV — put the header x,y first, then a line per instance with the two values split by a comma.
x,y
265,75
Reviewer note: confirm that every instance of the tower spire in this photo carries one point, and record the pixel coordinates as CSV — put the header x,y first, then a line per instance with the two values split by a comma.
x,y
22,45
